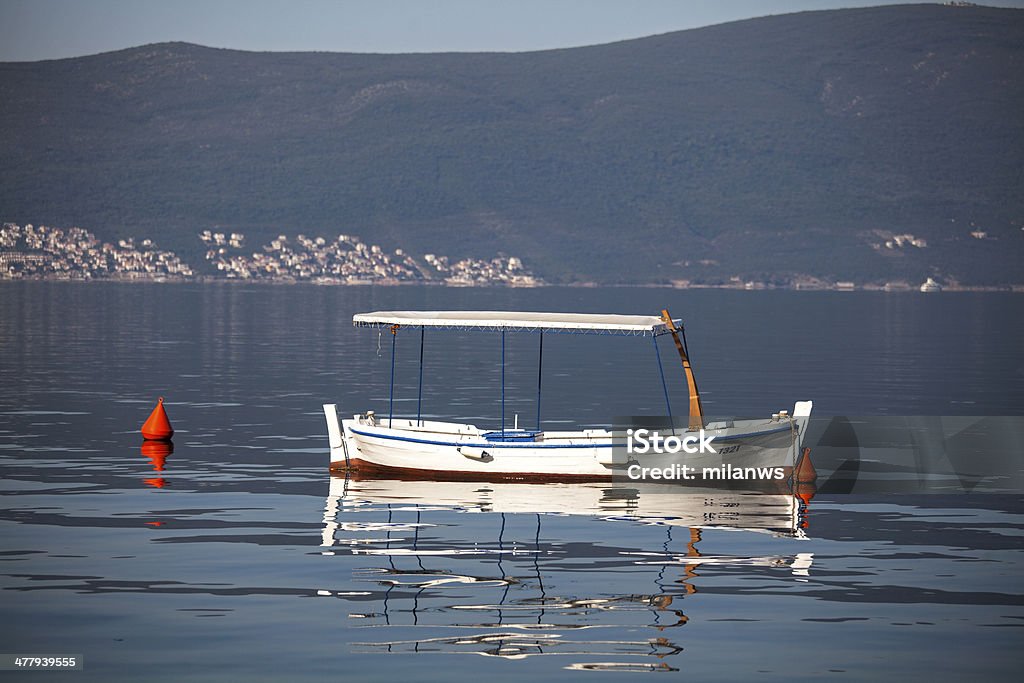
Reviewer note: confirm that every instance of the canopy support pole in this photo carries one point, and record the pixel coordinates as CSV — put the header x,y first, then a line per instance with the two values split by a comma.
x,y
696,409
391,391
503,382
664,385
419,393
540,374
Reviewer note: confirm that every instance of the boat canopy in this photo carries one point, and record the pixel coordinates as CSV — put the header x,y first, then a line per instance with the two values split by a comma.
x,y
520,321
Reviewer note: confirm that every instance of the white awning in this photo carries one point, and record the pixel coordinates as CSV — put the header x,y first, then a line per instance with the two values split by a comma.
x,y
519,321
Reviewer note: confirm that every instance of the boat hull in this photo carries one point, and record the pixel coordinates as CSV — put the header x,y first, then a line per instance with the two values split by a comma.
x,y
453,451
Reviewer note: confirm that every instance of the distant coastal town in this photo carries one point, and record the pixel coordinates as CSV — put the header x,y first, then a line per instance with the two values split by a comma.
x,y
42,252
39,252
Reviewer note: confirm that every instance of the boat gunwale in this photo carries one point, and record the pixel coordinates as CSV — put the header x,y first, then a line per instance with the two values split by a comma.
x,y
520,445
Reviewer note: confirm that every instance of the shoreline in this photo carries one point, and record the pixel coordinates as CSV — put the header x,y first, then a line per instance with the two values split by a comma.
x,y
322,282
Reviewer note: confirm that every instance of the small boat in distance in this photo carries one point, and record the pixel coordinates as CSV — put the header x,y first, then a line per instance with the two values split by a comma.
x,y
416,448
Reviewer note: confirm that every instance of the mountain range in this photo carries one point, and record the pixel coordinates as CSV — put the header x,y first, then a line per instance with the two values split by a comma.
x,y
866,145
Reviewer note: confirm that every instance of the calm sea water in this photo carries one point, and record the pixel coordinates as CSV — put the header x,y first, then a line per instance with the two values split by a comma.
x,y
237,557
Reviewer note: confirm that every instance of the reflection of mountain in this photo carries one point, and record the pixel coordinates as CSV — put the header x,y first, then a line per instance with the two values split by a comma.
x,y
506,585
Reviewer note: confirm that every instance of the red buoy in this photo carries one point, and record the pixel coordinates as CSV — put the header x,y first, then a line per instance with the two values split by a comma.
x,y
805,472
157,427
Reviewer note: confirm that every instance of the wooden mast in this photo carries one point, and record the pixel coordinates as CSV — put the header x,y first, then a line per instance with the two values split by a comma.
x,y
696,409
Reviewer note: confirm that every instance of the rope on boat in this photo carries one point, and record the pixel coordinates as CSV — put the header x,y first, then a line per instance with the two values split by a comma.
x,y
664,385
391,392
419,395
540,367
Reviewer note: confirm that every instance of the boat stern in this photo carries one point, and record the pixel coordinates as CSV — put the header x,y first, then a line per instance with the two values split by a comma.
x,y
802,416
336,437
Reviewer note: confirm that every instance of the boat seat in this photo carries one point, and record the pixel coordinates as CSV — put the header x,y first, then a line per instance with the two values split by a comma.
x,y
512,435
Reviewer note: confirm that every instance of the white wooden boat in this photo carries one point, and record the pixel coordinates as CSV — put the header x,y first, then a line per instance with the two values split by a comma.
x,y
413,447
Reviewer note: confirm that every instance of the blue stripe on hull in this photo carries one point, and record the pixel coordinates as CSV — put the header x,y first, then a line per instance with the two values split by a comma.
x,y
493,445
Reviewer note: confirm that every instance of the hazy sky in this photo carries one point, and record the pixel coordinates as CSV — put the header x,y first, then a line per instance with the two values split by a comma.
x,y
49,29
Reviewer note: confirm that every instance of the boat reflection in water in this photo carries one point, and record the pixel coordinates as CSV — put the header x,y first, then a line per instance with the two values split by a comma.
x,y
525,579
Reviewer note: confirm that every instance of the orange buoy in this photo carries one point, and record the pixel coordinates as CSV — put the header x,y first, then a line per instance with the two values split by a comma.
x,y
157,427
805,472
